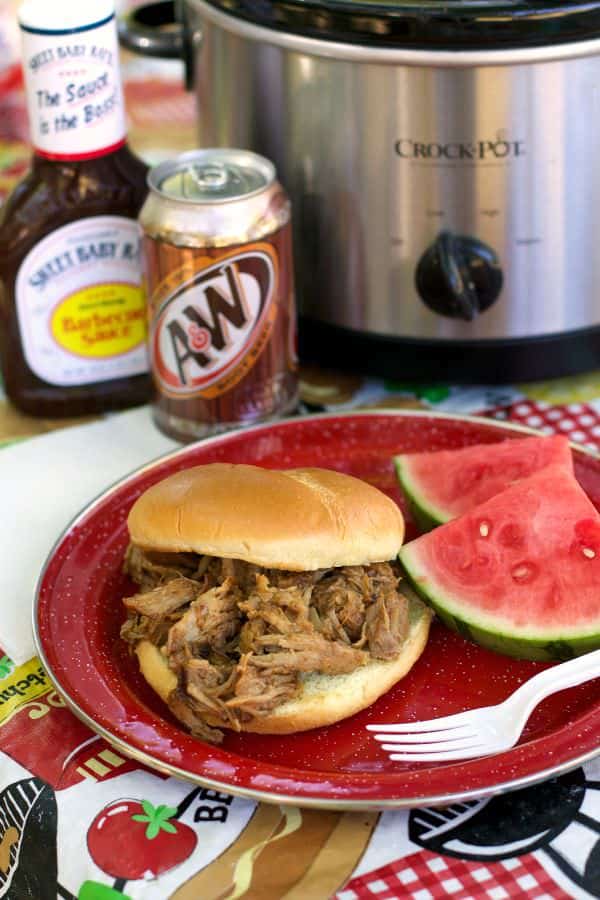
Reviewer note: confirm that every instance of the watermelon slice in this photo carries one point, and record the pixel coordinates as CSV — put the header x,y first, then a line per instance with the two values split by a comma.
x,y
442,485
519,574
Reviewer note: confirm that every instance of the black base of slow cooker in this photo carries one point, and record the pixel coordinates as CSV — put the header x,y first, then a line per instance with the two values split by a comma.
x,y
454,362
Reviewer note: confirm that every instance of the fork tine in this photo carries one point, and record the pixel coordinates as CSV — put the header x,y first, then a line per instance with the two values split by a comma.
x,y
411,737
465,753
432,725
473,740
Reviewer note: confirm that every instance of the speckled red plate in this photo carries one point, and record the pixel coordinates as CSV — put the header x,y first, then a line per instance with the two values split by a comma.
x,y
78,614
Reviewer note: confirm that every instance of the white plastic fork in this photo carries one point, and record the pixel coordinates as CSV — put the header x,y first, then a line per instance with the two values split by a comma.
x,y
487,730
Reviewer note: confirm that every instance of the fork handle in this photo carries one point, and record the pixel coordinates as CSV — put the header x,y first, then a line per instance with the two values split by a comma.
x,y
557,678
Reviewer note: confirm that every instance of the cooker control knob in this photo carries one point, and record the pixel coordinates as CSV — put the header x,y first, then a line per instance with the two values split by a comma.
x,y
458,276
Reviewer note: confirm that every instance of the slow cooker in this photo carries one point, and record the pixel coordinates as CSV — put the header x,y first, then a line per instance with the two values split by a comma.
x,y
443,161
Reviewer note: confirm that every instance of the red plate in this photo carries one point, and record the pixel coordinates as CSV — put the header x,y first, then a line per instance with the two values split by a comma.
x,y
78,614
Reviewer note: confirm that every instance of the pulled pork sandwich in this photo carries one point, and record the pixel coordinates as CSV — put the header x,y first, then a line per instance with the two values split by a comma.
x,y
267,600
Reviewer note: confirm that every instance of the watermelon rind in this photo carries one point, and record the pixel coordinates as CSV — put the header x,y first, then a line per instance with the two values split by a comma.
x,y
425,515
492,633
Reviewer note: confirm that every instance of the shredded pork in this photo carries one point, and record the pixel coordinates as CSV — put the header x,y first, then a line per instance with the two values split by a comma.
x,y
239,637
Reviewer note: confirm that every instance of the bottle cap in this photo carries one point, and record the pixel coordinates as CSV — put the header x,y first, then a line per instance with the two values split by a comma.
x,y
62,16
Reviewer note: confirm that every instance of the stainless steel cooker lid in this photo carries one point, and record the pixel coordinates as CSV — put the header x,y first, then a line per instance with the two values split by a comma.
x,y
427,24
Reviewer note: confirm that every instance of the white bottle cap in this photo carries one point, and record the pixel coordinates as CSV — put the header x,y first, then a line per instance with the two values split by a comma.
x,y
58,16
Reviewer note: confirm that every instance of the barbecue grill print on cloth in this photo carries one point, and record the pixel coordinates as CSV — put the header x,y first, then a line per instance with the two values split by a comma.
x,y
538,842
28,820
538,819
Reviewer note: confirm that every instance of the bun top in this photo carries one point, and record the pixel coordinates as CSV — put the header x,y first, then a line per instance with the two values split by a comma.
x,y
297,519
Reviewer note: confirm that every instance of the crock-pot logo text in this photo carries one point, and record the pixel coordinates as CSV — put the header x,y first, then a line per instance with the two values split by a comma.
x,y
459,150
210,331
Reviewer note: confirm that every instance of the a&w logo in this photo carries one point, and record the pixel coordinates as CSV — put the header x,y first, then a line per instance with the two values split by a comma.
x,y
210,330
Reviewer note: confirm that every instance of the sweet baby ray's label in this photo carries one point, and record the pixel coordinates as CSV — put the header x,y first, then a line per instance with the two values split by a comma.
x,y
80,303
74,96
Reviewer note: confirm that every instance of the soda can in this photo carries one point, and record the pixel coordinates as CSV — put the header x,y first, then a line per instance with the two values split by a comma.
x,y
218,265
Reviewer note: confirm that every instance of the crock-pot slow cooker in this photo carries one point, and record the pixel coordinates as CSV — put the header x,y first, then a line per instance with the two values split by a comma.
x,y
443,161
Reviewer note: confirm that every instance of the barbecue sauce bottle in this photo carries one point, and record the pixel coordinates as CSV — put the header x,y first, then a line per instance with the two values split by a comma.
x,y
72,306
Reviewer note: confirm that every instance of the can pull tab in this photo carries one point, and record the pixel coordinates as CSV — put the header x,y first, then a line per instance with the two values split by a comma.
x,y
211,181
459,276
210,178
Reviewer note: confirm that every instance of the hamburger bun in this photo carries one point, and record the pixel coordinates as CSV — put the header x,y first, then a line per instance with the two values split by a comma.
x,y
324,699
296,519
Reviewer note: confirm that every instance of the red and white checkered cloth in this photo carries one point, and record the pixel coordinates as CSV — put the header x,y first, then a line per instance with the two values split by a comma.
x,y
579,421
427,876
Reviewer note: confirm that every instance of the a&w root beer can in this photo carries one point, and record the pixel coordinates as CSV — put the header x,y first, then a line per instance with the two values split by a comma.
x,y
222,318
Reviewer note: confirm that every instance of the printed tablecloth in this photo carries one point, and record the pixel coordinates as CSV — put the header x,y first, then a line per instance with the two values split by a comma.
x,y
76,816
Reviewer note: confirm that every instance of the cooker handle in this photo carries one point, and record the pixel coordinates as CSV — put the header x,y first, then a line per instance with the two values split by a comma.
x,y
160,30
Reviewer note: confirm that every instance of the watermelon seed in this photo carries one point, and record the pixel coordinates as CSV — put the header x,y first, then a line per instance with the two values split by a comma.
x,y
590,554
524,572
484,529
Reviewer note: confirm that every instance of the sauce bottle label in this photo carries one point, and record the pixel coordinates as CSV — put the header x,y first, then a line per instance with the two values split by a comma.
x,y
74,94
80,303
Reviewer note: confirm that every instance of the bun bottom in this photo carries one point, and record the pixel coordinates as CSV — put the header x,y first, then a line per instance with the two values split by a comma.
x,y
324,699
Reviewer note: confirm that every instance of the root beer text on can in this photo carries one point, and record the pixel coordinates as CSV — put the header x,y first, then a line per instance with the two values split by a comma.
x,y
222,318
